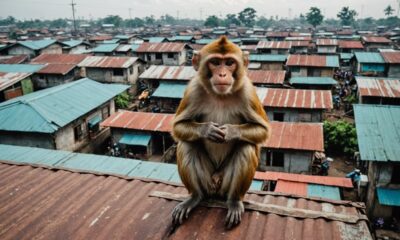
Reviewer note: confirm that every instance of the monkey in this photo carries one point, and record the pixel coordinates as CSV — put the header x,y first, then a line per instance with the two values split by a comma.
x,y
218,126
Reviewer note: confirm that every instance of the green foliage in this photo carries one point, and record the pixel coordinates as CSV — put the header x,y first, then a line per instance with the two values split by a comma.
x,y
122,100
150,20
314,16
231,19
264,22
347,16
248,17
212,21
340,138
352,98
112,19
388,10
58,23
134,23
10,20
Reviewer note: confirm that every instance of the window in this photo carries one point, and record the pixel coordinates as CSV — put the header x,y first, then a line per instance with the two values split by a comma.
x,y
131,70
279,117
295,69
158,56
304,117
148,57
105,112
170,55
78,132
118,72
275,159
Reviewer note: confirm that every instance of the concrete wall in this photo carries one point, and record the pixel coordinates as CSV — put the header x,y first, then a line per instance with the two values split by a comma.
x,y
50,80
17,50
178,58
27,139
295,115
52,49
312,72
271,66
106,75
294,161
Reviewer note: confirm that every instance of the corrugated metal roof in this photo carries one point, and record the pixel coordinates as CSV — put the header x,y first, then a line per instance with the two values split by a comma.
x,y
378,132
13,59
371,39
346,56
313,61
378,87
105,48
293,177
182,73
121,36
38,44
20,68
170,90
314,190
59,58
111,41
107,62
289,187
277,34
124,48
160,47
48,204
300,43
156,39
100,38
296,136
135,139
267,77
57,68
350,44
274,45
369,57
299,38
48,110
297,98
389,197
73,43
181,38
391,57
326,42
313,80
267,58
9,79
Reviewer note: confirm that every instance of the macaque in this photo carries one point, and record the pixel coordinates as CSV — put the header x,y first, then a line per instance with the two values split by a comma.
x,y
219,126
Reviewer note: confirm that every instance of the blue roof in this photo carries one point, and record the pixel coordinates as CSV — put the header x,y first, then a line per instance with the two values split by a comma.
x,y
322,191
268,57
170,90
378,132
313,80
389,197
21,68
111,41
105,47
135,139
369,57
346,56
120,36
332,61
38,44
73,43
135,46
48,110
156,39
181,38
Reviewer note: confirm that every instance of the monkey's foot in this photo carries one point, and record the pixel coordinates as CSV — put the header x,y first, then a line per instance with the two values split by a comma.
x,y
183,209
235,211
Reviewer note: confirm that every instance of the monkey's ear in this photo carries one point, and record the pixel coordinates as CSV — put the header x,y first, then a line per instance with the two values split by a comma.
x,y
246,60
196,60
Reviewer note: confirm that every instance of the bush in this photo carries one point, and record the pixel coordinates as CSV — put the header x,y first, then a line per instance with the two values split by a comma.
x,y
340,138
122,100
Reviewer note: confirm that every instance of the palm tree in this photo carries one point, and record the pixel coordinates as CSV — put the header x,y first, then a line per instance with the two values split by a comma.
x,y
388,10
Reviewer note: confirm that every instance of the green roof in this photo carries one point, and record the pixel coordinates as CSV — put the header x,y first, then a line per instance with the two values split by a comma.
x,y
135,139
38,44
322,191
369,57
105,48
124,37
48,110
378,132
20,68
181,38
73,43
156,39
332,61
346,56
388,197
170,90
267,57
135,47
313,80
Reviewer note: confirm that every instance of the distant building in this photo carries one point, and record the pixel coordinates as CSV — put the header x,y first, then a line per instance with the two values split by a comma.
x,y
65,117
267,61
105,49
265,78
75,47
299,47
35,48
277,36
372,43
326,46
378,90
312,65
273,47
392,60
350,46
174,54
319,83
368,64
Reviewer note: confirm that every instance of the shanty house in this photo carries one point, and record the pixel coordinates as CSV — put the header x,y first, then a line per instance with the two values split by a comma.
x,y
326,46
168,95
368,64
321,83
312,65
265,78
392,60
373,90
35,48
75,47
299,47
267,61
372,43
277,36
295,105
65,117
379,140
174,54
273,47
350,46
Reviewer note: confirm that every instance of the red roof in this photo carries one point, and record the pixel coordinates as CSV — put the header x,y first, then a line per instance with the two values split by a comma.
x,y
297,98
158,122
57,68
59,58
290,187
248,47
266,77
299,43
100,38
160,47
13,59
350,44
375,39
9,79
307,60
277,34
296,136
107,62
300,178
391,57
326,42
376,87
274,44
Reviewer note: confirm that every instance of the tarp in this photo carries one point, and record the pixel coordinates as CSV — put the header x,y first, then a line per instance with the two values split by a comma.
x,y
135,139
389,197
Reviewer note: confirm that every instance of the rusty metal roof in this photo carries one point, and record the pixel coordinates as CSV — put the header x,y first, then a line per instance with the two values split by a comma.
x,y
55,68
59,204
297,98
160,47
378,87
9,79
296,136
372,39
312,60
107,62
273,45
13,59
59,58
326,42
158,122
301,43
293,177
289,187
100,38
350,44
277,34
266,77
391,57
184,73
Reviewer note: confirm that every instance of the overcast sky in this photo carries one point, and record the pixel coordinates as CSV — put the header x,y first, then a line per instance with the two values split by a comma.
x,y
52,9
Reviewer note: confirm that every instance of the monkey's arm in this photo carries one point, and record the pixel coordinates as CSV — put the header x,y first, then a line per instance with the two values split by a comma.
x,y
191,131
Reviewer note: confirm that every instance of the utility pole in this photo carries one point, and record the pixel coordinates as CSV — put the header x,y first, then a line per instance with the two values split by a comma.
x,y
73,15
130,15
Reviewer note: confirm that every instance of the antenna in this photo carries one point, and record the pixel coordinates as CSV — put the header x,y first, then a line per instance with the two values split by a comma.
x,y
73,14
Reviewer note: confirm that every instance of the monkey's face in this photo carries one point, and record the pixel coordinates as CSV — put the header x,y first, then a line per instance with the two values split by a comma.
x,y
222,69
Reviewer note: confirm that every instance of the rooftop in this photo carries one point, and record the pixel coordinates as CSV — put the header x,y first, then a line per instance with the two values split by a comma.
x,y
20,68
266,77
373,39
326,42
273,45
170,90
313,80
160,47
55,68
9,79
184,73
378,87
369,57
391,57
105,48
350,44
59,58
313,61
108,62
37,44
267,58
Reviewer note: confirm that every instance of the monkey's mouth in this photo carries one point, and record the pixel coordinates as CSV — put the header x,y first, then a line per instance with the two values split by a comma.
x,y
222,87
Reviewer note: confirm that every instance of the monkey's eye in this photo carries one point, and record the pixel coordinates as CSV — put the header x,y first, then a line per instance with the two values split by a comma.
x,y
215,61
229,62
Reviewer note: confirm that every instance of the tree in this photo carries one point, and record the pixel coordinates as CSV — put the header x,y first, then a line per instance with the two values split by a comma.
x,y
388,10
113,19
340,138
212,21
150,20
231,19
347,16
122,100
314,16
134,23
248,17
302,18
58,23
10,20
264,22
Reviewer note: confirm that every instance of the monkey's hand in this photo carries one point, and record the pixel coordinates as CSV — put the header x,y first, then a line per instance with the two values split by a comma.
x,y
232,132
212,132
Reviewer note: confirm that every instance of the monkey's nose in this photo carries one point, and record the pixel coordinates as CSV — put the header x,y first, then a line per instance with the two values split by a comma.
x,y
222,75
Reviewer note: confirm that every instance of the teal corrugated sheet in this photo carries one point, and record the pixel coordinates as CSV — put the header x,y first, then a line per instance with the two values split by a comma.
x,y
106,47
372,67
164,172
369,57
313,80
170,90
20,68
135,47
346,56
124,37
378,132
38,44
332,61
389,197
156,39
145,169
73,43
135,139
112,41
267,58
329,192
256,185
181,38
